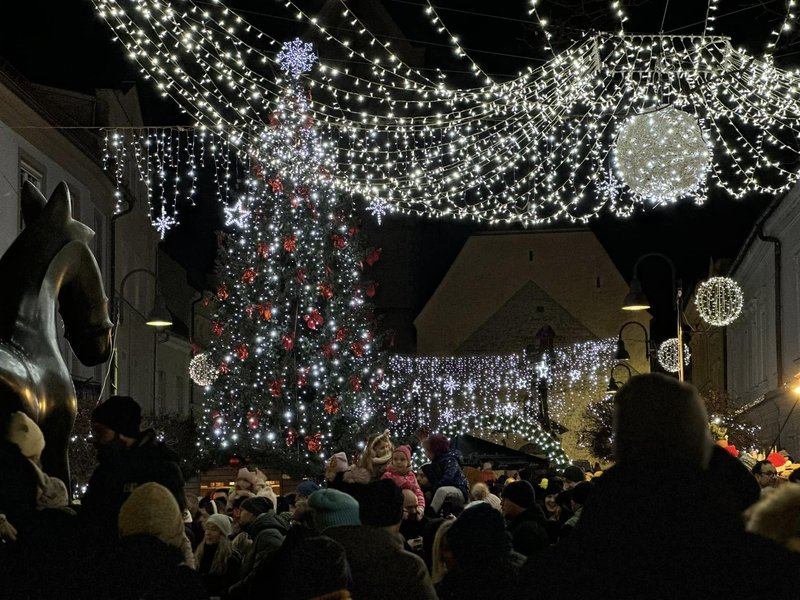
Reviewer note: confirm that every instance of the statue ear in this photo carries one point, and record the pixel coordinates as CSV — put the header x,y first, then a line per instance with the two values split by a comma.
x,y
33,201
59,206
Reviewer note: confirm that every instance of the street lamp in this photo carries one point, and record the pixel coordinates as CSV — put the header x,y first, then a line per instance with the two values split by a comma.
x,y
636,300
159,317
613,384
621,353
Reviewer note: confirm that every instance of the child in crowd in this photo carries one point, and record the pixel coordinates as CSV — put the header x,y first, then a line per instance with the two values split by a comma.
x,y
400,472
373,461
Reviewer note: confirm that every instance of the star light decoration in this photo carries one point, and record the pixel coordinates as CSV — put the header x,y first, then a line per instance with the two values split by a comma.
x,y
668,355
719,301
531,149
238,214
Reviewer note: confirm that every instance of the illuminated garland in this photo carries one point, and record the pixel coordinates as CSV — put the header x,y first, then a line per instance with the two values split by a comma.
x,y
719,301
533,149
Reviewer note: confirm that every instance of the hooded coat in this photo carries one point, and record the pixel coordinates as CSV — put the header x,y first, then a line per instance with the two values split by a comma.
x,y
451,473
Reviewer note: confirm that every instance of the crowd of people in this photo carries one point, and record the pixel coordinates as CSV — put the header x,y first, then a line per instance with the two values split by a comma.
x,y
675,517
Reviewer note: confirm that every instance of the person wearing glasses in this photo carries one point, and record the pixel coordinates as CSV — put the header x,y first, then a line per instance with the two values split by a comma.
x,y
766,474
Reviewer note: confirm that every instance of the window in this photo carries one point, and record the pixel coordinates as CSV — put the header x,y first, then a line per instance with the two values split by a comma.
x,y
27,172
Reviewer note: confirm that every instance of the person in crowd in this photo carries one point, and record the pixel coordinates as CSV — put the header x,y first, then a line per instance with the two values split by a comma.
x,y
266,529
733,481
664,536
336,468
302,514
127,459
244,486
440,552
241,540
487,473
479,558
399,471
153,558
304,490
480,493
380,567
413,521
425,475
216,560
777,517
573,475
524,518
766,474
578,497
376,455
316,568
448,469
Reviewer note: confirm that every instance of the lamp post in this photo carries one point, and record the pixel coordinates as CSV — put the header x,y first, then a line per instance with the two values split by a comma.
x,y
613,384
159,317
621,353
636,300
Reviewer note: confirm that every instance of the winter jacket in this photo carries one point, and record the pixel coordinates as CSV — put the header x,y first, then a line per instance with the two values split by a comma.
x,y
380,567
528,532
405,482
491,582
118,475
218,583
452,475
267,531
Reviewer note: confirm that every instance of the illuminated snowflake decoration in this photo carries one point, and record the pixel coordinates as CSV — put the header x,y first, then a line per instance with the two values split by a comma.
x,y
662,155
238,215
164,223
384,385
469,387
668,355
719,301
296,57
378,208
450,385
610,187
202,370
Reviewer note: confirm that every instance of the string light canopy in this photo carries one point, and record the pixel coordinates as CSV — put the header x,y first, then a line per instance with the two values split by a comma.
x,y
719,301
668,355
538,148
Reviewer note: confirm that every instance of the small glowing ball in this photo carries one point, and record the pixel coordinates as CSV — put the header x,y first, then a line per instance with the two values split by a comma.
x,y
719,301
202,370
668,355
662,155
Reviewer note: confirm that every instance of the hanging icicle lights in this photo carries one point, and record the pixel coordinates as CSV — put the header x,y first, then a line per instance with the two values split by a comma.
x,y
532,149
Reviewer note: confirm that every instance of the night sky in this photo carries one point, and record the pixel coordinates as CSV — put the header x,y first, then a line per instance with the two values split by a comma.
x,y
62,43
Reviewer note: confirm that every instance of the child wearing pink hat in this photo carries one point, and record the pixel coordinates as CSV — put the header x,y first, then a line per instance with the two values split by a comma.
x,y
399,471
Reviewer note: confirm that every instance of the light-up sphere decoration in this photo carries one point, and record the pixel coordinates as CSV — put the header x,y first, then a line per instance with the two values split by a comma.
x,y
719,301
202,370
668,355
662,155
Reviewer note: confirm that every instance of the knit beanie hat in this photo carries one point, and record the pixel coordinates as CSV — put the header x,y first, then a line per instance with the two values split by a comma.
x,y
659,419
520,493
306,488
574,474
25,433
339,462
223,522
405,450
333,508
257,505
382,504
581,492
478,535
152,510
121,414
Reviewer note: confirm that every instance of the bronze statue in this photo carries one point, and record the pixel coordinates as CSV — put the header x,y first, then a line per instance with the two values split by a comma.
x,y
49,260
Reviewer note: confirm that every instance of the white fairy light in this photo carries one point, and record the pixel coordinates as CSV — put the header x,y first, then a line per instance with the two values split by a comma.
x,y
201,370
668,355
378,208
662,155
719,301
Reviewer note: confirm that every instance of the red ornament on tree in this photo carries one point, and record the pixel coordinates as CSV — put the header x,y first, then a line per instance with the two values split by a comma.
x,y
294,200
253,419
291,437
355,383
302,374
249,276
276,185
339,241
234,461
206,299
288,342
222,292
300,275
216,328
250,309
290,243
224,368
304,192
354,229
266,311
262,249
325,290
327,351
242,352
331,405
314,442
314,320
391,415
275,388
258,172
341,334
372,288
357,349
373,256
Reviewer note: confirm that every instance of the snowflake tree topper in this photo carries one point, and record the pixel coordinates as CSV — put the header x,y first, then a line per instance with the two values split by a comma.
x,y
296,57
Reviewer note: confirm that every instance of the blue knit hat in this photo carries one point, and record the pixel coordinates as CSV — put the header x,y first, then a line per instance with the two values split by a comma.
x,y
306,488
333,508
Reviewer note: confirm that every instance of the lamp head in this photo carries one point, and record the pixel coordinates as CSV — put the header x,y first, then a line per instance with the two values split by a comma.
x,y
160,316
635,300
621,353
613,387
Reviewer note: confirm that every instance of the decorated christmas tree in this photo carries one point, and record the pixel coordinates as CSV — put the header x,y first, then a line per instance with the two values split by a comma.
x,y
292,371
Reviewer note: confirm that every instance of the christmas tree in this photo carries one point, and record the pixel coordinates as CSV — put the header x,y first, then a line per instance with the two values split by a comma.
x,y
292,368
